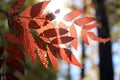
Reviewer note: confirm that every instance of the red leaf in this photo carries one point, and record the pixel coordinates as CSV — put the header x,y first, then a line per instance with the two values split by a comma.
x,y
1,51
54,32
24,22
84,36
33,25
57,11
50,25
94,37
73,33
41,44
16,6
29,45
62,25
15,52
13,38
91,26
67,56
17,26
40,21
11,76
84,20
43,57
42,52
52,56
50,16
15,64
72,15
35,10
62,40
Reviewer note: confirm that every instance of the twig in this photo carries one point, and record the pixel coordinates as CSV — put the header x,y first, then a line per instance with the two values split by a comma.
x,y
2,38
2,11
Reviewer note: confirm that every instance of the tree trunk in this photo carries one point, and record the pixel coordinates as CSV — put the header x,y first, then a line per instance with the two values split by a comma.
x,y
105,54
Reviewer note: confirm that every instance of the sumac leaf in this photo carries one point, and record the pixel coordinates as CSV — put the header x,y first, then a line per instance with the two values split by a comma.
x,y
84,20
30,45
67,56
62,25
96,38
13,38
72,15
91,26
50,25
42,52
40,44
33,24
62,40
50,16
15,52
57,11
84,36
34,10
73,33
54,32
40,21
11,76
24,22
43,57
16,6
15,64
52,56
17,26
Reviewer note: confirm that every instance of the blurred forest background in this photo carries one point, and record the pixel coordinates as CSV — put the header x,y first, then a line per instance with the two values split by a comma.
x,y
101,61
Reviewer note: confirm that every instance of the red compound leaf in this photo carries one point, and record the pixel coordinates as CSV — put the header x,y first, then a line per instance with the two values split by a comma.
x,y
72,15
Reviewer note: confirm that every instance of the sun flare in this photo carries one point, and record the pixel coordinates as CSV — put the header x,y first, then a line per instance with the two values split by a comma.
x,y
55,5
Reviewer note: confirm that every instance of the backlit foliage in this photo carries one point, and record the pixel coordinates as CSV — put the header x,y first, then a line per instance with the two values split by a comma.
x,y
39,35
